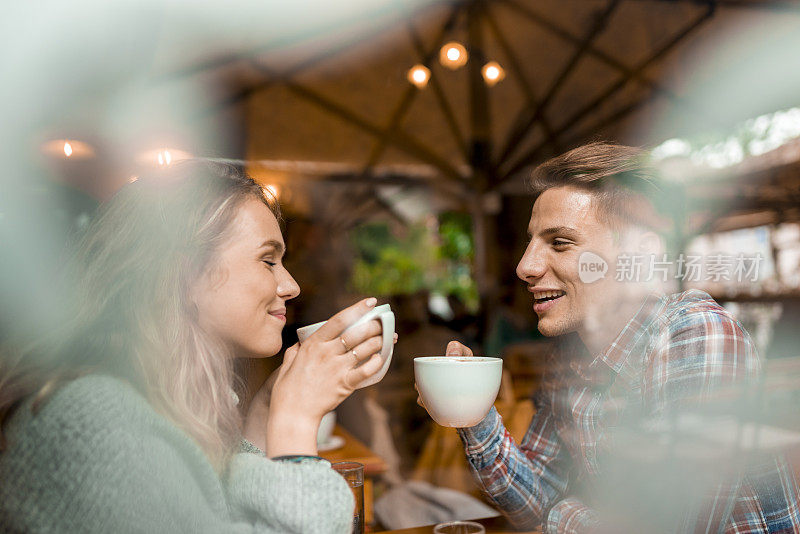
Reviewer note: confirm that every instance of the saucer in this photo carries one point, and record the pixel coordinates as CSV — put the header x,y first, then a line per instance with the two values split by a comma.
x,y
334,442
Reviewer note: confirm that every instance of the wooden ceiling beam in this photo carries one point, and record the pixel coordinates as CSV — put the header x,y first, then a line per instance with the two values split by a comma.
x,y
399,139
528,116
609,60
515,66
444,104
267,82
607,121
369,204
402,107
531,155
761,5
480,149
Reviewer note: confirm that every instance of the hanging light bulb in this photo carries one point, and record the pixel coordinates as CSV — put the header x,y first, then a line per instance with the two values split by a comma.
x,y
453,55
493,73
419,75
67,149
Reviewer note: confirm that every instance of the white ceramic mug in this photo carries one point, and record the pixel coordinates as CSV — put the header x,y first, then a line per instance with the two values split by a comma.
x,y
384,314
325,430
458,391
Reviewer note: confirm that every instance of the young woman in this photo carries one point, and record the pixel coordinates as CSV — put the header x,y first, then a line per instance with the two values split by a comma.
x,y
124,418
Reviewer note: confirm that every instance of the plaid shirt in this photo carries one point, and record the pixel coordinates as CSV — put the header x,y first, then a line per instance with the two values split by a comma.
x,y
678,351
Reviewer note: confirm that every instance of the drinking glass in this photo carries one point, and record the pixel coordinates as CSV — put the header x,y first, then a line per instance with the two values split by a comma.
x,y
353,473
459,527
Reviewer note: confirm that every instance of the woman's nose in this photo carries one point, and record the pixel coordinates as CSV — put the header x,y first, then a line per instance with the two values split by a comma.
x,y
287,286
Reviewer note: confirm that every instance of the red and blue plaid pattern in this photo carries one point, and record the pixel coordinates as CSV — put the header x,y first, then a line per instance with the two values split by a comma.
x,y
679,353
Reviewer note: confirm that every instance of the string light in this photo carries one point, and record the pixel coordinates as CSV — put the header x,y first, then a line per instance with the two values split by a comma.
x,y
67,149
493,73
453,55
419,75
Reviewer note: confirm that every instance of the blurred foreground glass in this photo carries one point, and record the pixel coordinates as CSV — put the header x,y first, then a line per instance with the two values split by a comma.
x,y
459,527
353,473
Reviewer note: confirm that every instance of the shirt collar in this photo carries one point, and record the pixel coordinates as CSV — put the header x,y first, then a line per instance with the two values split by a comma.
x,y
603,369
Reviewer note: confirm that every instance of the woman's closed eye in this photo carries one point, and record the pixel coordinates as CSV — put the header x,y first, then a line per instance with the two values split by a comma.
x,y
270,263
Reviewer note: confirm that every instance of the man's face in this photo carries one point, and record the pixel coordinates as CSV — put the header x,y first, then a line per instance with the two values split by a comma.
x,y
563,225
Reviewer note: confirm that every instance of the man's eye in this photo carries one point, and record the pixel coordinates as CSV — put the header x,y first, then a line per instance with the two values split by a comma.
x,y
560,243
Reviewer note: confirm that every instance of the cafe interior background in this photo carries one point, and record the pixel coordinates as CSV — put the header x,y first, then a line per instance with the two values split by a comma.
x,y
397,136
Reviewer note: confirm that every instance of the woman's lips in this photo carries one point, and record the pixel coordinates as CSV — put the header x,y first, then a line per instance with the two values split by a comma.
x,y
279,315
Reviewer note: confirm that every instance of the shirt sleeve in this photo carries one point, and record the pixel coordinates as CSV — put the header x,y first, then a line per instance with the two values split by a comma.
x,y
524,481
571,516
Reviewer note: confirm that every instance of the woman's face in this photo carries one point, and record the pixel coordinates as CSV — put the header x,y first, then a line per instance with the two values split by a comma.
x,y
242,296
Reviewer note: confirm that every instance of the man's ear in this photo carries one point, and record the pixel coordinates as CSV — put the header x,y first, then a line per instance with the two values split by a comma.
x,y
650,243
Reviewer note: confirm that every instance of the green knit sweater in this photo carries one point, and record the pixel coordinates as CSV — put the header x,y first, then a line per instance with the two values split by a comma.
x,y
98,458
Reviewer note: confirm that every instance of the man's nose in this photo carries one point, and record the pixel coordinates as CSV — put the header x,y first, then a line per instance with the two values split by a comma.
x,y
532,265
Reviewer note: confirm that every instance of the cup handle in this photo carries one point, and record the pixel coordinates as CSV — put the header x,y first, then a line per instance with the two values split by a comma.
x,y
387,322
387,325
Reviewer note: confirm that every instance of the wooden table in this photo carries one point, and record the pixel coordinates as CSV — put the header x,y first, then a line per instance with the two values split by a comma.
x,y
355,451
493,525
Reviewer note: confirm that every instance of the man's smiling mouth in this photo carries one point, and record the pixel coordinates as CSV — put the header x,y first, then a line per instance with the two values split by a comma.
x,y
540,296
544,299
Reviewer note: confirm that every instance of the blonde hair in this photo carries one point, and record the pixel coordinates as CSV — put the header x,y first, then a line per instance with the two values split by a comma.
x,y
134,316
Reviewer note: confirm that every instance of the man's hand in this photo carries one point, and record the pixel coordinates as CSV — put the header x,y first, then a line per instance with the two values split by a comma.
x,y
454,348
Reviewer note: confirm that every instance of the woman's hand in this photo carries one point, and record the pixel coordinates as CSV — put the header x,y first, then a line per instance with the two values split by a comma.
x,y
319,374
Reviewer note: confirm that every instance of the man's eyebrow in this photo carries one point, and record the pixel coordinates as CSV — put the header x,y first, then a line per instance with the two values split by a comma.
x,y
559,230
272,243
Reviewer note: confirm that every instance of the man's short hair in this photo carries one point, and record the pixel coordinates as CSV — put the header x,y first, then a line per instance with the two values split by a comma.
x,y
626,186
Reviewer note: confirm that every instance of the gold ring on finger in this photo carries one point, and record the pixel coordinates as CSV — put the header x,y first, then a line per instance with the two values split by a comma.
x,y
344,344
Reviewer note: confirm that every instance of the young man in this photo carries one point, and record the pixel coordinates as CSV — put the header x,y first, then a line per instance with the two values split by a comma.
x,y
602,452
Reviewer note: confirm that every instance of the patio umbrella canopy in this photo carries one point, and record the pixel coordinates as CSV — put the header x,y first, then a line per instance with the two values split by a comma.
x,y
342,106
636,71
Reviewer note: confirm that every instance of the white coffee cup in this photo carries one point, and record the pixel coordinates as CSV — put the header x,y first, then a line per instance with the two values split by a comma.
x,y
458,391
325,430
384,314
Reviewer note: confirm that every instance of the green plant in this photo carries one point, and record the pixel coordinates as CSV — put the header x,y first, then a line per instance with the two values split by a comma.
x,y
433,257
